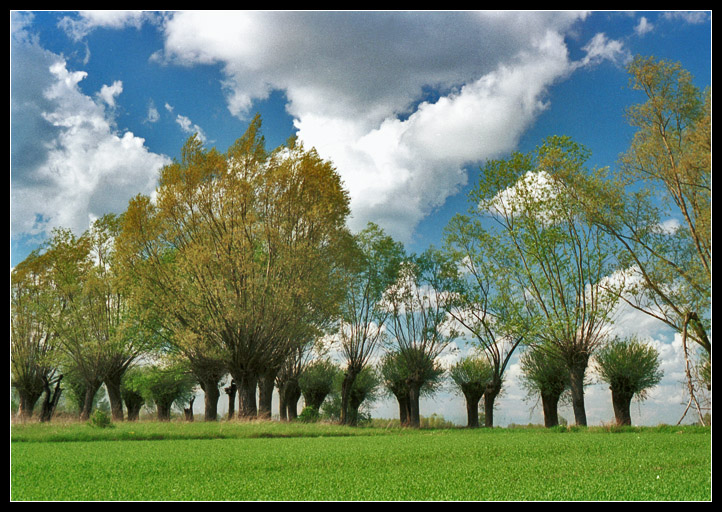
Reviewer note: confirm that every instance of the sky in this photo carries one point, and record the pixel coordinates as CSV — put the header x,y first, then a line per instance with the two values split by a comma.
x,y
407,105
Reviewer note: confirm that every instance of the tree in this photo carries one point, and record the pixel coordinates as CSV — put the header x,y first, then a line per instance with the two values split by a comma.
x,y
482,300
666,172
374,268
471,375
242,250
631,368
658,205
317,382
560,260
131,389
34,365
419,323
545,374
395,376
165,384
79,321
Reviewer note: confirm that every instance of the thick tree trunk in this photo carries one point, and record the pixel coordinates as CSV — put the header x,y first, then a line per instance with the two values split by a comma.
x,y
490,394
133,409
346,385
112,384
403,400
550,402
576,375
265,395
247,408
472,409
90,390
28,399
210,401
282,408
414,419
293,395
621,401
163,411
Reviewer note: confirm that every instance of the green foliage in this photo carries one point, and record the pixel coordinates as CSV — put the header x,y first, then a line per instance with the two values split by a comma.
x,y
471,374
544,371
100,419
629,366
309,415
317,382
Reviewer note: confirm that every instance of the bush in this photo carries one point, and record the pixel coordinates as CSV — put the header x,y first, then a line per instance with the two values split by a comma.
x,y
309,415
100,419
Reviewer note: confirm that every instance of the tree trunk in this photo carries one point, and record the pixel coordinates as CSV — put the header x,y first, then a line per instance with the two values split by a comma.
x,y
490,394
346,385
293,395
231,392
414,398
266,383
621,401
188,411
210,401
133,409
282,407
28,399
51,399
403,400
112,384
247,385
163,411
472,409
90,391
576,375
550,402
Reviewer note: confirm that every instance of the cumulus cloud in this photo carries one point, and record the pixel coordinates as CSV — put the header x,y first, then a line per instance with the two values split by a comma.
x,y
357,87
68,163
108,93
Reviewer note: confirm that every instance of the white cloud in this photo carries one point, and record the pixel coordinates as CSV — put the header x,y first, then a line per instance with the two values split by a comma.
x,y
68,163
356,84
643,27
79,27
601,48
108,93
188,127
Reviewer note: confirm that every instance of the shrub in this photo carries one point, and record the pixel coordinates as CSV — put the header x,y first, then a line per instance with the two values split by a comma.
x,y
100,419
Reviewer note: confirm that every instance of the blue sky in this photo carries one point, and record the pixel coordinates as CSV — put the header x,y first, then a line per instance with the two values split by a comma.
x,y
407,105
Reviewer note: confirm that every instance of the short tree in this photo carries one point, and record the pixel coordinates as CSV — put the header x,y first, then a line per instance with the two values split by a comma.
x,y
165,385
317,381
631,368
545,374
471,375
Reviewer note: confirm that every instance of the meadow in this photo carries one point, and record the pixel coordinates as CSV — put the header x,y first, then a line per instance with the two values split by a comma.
x,y
273,461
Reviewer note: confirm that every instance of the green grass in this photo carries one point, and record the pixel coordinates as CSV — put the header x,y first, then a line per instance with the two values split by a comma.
x,y
276,461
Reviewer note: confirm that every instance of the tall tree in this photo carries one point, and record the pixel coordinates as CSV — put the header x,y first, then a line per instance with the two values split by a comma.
x,y
482,299
34,364
242,250
561,261
659,204
374,268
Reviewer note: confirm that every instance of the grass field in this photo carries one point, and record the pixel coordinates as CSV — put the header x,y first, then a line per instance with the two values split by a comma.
x,y
276,461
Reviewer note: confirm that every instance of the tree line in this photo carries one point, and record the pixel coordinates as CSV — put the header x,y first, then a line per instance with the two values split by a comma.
x,y
241,264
